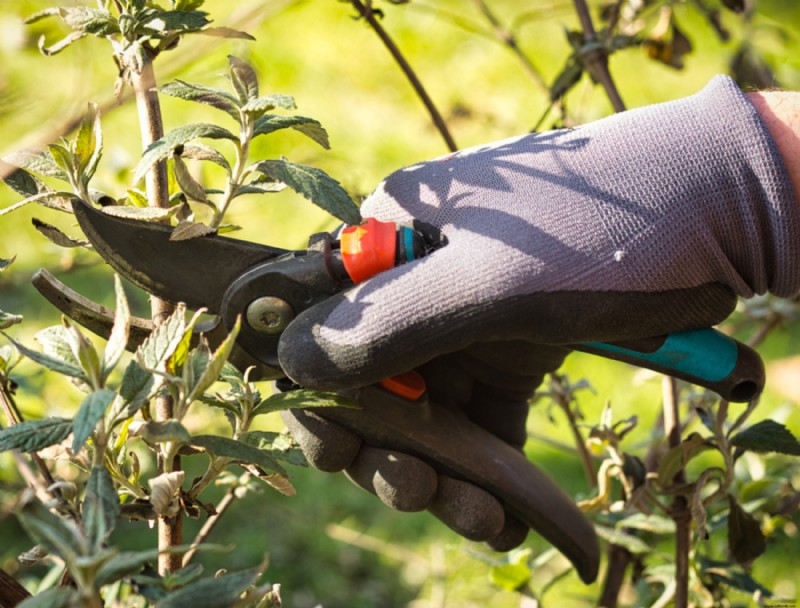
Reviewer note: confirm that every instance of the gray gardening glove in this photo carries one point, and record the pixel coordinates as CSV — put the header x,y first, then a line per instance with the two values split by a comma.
x,y
645,223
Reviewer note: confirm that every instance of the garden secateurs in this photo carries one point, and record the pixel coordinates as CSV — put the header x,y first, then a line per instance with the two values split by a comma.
x,y
267,287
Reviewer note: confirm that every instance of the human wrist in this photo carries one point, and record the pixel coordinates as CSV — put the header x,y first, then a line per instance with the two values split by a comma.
x,y
780,112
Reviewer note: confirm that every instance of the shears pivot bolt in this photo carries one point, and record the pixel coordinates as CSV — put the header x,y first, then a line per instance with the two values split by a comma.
x,y
269,315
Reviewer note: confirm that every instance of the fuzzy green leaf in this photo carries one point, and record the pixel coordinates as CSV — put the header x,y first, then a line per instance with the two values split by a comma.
x,y
514,573
89,142
182,21
54,235
226,32
244,79
190,230
314,184
302,398
193,190
216,98
100,507
6,262
745,539
56,597
49,51
259,105
237,451
38,16
767,436
218,592
161,149
90,20
630,542
151,214
34,435
63,158
8,319
215,364
156,351
137,386
203,152
118,339
130,562
657,524
188,5
307,126
56,364
162,432
42,163
23,183
58,535
92,409
279,445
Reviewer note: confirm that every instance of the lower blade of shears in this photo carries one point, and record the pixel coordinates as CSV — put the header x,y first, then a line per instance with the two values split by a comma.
x,y
195,271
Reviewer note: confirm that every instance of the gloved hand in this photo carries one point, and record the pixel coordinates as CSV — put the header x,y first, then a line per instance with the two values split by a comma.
x,y
637,225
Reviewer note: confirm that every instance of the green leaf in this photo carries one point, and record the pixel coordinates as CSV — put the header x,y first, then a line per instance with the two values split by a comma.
x,y
161,149
89,142
302,398
38,16
161,431
34,435
137,386
314,184
187,183
156,351
182,21
623,539
226,32
745,539
218,592
259,105
55,597
677,457
244,79
569,76
237,451
23,183
657,524
49,51
130,562
514,573
54,235
767,436
203,152
6,262
164,490
63,158
216,98
100,507
90,20
52,363
190,230
42,163
92,409
151,214
118,339
215,364
8,319
307,126
279,445
59,535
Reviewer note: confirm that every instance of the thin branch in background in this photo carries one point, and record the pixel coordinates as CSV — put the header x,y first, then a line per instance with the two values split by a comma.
x,y
563,399
365,11
209,525
508,38
596,58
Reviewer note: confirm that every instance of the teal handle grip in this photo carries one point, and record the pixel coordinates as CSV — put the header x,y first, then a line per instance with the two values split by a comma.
x,y
705,357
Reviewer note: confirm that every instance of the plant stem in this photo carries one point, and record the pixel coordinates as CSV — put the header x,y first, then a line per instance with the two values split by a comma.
x,y
679,509
564,399
170,529
209,524
11,592
596,57
367,13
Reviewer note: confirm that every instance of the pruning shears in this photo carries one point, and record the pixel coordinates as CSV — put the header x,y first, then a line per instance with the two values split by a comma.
x,y
267,287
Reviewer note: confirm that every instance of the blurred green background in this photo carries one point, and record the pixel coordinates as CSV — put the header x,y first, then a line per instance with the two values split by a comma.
x,y
332,544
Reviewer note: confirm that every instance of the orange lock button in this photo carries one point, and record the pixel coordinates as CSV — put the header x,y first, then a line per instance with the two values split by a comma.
x,y
368,249
409,385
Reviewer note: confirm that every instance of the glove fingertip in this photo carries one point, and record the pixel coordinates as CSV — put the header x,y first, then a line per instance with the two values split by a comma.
x,y
327,446
512,535
467,509
401,481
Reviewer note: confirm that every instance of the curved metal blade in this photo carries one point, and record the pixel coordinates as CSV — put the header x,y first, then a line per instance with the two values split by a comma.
x,y
195,271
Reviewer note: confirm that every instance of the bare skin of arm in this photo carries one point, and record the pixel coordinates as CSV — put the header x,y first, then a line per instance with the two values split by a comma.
x,y
781,113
